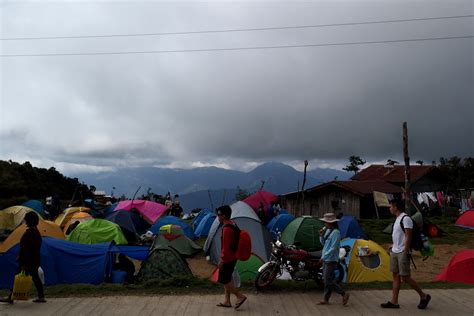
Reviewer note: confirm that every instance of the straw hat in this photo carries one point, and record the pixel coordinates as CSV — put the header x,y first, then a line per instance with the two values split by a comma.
x,y
329,218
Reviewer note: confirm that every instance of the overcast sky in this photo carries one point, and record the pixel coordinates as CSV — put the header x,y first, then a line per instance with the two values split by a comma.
x,y
234,108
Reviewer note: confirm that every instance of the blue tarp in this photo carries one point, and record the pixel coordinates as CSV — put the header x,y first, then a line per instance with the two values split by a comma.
x,y
202,230
135,252
37,206
63,262
200,216
278,224
349,228
188,231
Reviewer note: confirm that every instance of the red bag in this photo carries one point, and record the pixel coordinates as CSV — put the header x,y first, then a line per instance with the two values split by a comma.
x,y
243,251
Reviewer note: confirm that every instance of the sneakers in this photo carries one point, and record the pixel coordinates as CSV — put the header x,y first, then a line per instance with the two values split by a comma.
x,y
389,305
424,302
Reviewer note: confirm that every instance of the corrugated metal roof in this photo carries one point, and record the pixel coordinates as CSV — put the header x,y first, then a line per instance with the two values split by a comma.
x,y
392,173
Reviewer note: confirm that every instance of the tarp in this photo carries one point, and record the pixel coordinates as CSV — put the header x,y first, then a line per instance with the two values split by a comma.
x,y
304,231
63,262
66,216
46,229
278,224
163,263
373,267
466,220
199,217
173,220
150,211
134,252
246,219
97,231
266,198
349,228
131,221
37,206
11,217
202,230
459,269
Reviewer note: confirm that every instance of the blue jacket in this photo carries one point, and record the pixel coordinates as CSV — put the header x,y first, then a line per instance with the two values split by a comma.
x,y
331,242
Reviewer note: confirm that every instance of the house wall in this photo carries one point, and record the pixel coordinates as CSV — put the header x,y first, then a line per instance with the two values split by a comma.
x,y
334,201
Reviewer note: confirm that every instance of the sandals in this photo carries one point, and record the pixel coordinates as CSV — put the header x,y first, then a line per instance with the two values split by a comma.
x,y
345,298
237,305
424,302
223,305
39,300
322,303
389,305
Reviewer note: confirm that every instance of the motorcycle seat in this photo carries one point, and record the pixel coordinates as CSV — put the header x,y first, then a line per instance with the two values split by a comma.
x,y
316,254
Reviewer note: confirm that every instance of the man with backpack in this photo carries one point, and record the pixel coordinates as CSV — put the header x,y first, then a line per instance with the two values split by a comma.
x,y
228,258
400,256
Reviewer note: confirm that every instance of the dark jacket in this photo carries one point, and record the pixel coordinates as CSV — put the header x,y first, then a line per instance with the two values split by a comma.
x,y
30,249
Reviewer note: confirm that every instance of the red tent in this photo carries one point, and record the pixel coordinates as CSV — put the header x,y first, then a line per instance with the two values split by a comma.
x,y
459,268
261,196
466,220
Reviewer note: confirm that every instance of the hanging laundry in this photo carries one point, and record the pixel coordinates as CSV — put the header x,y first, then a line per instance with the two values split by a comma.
x,y
439,197
431,196
419,198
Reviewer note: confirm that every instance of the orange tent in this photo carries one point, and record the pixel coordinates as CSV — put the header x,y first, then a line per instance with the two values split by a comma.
x,y
46,229
64,218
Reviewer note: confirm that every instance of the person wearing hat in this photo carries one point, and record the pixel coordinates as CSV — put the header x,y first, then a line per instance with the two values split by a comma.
x,y
330,238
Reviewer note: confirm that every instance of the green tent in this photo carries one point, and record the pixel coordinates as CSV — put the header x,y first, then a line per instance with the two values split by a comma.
x,y
180,243
96,231
248,269
304,231
163,263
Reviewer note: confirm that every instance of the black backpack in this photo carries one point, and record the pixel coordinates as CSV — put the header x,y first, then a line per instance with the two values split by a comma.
x,y
416,239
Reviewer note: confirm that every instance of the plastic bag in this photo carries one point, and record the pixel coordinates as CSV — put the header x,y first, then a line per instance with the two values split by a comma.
x,y
21,286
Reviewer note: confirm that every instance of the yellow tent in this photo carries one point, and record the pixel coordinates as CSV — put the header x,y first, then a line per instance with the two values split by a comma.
x,y
66,216
77,217
11,218
367,261
46,228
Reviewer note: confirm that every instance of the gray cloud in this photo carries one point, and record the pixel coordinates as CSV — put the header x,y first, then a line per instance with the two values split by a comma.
x,y
234,107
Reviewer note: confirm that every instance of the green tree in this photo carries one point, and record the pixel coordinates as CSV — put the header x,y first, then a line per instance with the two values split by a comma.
x,y
354,163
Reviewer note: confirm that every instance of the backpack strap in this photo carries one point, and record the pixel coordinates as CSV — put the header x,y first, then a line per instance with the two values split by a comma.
x,y
401,222
329,235
236,229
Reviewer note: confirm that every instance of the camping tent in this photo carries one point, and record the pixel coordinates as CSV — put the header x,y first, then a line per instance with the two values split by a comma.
x,y
248,269
66,216
97,231
63,262
278,224
109,209
163,263
202,230
77,217
459,269
199,217
173,220
46,229
150,211
266,198
304,231
131,221
36,206
373,267
11,217
466,220
172,235
349,228
246,219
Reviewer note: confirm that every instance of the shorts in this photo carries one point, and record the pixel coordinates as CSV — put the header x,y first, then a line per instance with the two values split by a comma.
x,y
400,263
225,273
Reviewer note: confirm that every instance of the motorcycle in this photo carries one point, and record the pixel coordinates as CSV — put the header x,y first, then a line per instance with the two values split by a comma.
x,y
301,265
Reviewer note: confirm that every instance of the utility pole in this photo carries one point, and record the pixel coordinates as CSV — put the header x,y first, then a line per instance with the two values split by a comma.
x,y
304,182
407,169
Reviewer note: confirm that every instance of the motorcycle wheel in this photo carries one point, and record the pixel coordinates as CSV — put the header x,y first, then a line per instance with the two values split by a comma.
x,y
265,277
339,277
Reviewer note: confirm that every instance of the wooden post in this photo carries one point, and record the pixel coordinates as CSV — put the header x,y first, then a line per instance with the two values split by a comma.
x,y
407,169
304,181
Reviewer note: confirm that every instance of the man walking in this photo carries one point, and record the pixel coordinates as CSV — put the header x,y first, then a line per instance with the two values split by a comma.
x,y
400,256
229,244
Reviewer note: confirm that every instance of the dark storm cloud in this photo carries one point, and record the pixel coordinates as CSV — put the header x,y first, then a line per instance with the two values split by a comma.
x,y
228,108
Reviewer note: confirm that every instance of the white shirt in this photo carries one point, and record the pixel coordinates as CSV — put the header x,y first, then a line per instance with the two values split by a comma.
x,y
398,236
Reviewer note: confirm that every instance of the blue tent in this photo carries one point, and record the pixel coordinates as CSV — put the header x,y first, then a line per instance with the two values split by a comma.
x,y
278,224
37,206
349,228
109,209
200,216
282,211
131,221
188,231
63,262
202,230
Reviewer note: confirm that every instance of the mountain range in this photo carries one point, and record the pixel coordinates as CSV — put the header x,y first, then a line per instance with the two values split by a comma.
x,y
206,186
